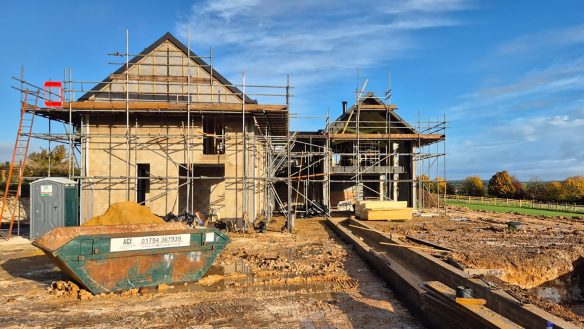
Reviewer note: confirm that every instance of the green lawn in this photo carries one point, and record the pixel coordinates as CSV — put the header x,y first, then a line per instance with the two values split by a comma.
x,y
524,211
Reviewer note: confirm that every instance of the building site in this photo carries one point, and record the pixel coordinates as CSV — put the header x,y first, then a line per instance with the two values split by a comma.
x,y
191,200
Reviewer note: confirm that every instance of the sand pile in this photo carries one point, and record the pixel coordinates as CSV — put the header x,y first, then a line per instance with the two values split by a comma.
x,y
125,213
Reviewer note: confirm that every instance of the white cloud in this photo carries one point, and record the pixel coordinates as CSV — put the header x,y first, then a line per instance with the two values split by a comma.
x,y
314,41
543,41
536,87
529,121
547,146
563,121
426,5
227,9
532,129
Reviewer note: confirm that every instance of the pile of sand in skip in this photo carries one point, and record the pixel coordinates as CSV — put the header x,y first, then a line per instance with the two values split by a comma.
x,y
124,213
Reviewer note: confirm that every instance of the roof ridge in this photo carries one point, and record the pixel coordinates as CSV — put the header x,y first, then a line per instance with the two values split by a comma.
x,y
198,60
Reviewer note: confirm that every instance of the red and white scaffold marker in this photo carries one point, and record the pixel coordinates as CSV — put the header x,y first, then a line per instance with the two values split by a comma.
x,y
49,93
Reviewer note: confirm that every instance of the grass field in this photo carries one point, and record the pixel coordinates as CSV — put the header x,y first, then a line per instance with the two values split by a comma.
x,y
524,211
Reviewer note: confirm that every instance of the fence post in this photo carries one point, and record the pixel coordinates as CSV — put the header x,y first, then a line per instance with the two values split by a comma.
x,y
519,203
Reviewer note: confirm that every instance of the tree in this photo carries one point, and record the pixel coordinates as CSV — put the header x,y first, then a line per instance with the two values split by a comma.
x,y
553,191
535,189
573,189
38,162
501,185
520,192
450,189
440,185
423,178
473,186
424,183
4,171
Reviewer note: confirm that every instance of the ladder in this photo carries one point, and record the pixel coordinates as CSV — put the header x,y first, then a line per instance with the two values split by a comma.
x,y
19,157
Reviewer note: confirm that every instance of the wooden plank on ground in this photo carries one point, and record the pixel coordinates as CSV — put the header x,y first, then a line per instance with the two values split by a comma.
x,y
385,214
411,247
485,317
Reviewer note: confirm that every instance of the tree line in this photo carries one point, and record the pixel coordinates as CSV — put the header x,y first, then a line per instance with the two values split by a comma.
x,y
501,185
38,166
504,185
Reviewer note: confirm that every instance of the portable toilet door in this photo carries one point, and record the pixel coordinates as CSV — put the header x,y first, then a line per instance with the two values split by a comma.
x,y
53,203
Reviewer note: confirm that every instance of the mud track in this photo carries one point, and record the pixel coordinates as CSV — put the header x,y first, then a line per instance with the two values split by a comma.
x,y
271,280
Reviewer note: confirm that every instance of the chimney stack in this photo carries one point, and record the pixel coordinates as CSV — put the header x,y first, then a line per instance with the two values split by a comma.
x,y
344,106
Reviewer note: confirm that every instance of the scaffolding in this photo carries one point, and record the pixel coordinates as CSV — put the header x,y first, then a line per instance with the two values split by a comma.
x,y
383,158
180,109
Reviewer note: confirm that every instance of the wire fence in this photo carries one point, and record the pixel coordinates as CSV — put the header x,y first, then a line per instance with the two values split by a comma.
x,y
533,204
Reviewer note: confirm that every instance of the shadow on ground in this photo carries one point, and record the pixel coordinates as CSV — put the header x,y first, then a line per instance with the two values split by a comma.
x,y
370,285
35,268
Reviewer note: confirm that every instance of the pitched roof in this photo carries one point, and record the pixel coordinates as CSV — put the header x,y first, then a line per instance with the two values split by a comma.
x,y
371,99
199,61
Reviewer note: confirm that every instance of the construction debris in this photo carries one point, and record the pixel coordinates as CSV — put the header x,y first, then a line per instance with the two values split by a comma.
x,y
68,289
541,261
281,280
405,269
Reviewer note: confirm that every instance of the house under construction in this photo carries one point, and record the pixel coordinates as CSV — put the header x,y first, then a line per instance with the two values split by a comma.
x,y
169,131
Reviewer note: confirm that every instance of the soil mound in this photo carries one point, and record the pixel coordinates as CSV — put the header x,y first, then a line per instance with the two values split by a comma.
x,y
125,213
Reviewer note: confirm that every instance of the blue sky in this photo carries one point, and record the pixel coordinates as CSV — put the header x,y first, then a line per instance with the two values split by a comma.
x,y
509,75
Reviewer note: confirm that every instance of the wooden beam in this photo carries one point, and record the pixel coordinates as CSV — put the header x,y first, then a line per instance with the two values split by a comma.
x,y
378,106
386,136
159,78
307,176
470,301
411,247
121,106
421,268
348,120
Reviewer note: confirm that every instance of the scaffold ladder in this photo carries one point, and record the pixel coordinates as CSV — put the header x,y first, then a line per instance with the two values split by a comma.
x,y
19,157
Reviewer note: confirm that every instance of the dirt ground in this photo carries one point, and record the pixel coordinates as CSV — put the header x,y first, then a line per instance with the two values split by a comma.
x,y
275,280
541,262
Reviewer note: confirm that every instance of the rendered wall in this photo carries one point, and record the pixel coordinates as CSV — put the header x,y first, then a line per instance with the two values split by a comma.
x,y
160,141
